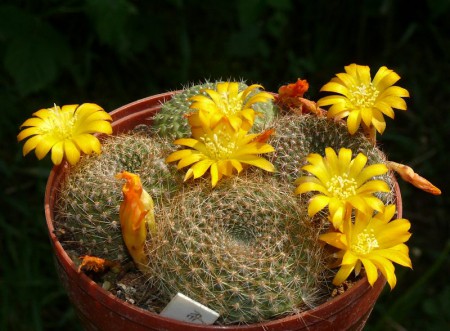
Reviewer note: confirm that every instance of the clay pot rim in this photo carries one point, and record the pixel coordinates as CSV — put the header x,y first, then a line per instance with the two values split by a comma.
x,y
141,108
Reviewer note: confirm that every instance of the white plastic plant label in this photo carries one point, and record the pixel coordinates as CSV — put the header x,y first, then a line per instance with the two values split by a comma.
x,y
185,309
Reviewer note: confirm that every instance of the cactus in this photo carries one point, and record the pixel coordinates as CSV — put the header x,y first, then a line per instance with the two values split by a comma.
x,y
89,199
296,136
245,249
169,121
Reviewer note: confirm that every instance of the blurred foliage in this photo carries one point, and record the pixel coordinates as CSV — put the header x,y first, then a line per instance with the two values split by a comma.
x,y
114,52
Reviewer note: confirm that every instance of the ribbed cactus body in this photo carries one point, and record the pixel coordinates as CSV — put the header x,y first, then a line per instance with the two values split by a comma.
x,y
170,121
245,249
90,196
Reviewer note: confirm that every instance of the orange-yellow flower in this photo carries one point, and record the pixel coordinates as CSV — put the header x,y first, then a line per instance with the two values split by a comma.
x,y
343,183
223,150
364,100
65,131
226,101
136,214
373,242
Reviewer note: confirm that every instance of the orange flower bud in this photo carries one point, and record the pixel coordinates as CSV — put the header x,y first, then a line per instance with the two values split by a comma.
x,y
408,174
136,214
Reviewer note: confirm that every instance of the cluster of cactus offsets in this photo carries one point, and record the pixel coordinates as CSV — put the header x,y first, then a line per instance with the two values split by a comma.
x,y
170,121
90,196
297,136
245,249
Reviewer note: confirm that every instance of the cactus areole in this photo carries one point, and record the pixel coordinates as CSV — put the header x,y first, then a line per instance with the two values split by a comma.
x,y
99,309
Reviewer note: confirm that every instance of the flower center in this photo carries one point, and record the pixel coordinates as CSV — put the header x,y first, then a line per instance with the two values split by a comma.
x,y
59,124
363,95
365,242
231,104
220,145
341,186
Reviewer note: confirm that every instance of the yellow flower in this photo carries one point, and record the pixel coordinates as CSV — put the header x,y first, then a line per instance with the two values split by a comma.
x,y
65,131
222,150
343,183
372,242
361,99
136,214
226,101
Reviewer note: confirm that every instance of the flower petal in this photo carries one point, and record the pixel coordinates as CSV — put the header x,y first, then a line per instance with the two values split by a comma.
x,y
317,203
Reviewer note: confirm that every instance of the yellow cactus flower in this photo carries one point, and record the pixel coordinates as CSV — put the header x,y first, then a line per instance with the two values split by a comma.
x,y
363,100
136,214
373,242
65,131
222,150
343,183
226,101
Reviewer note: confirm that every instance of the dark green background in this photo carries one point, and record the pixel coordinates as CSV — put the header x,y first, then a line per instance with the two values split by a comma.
x,y
112,52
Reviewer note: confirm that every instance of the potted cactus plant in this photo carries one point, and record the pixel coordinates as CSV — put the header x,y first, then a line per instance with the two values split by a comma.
x,y
224,204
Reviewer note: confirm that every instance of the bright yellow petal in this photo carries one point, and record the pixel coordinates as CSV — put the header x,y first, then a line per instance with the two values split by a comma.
x,y
378,121
371,270
366,116
31,144
317,203
344,159
178,155
58,153
33,121
373,186
201,167
190,159
331,99
333,239
397,256
71,152
28,132
309,186
346,79
215,176
96,127
44,146
385,109
257,161
343,274
353,121
87,143
394,90
389,79
335,87
387,269
370,172
395,102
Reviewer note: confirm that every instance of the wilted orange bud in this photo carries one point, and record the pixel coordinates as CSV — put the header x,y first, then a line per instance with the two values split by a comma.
x,y
290,97
293,91
95,264
136,214
408,174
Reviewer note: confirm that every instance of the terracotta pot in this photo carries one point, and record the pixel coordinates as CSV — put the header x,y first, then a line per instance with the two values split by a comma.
x,y
100,310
